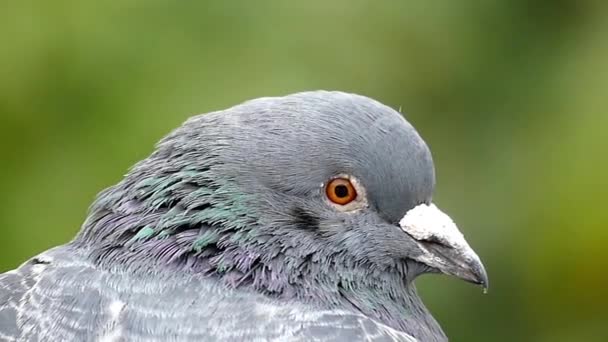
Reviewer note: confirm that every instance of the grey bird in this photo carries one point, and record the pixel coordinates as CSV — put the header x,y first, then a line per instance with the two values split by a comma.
x,y
298,218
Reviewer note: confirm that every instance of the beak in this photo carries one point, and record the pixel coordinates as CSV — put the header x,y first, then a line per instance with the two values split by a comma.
x,y
443,246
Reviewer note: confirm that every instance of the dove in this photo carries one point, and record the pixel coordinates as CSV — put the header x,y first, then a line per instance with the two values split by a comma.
x,y
305,217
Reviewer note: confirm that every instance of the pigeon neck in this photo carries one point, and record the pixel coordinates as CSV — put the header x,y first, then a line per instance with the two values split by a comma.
x,y
399,308
188,222
388,297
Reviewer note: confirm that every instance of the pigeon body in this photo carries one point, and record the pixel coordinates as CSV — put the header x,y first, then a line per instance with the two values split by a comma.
x,y
230,231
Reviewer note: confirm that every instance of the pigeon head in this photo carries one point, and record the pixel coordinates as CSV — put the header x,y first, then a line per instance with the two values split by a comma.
x,y
312,190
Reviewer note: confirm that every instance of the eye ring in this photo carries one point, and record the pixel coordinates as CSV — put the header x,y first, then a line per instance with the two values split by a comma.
x,y
340,191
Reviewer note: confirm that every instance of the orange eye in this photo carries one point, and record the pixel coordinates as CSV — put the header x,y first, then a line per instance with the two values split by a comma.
x,y
341,191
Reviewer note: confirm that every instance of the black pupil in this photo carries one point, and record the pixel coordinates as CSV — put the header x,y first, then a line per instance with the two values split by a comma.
x,y
341,191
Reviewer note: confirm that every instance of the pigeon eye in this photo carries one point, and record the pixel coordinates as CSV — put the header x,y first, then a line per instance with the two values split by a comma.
x,y
341,191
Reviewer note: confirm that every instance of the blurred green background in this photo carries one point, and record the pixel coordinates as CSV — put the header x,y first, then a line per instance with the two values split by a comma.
x,y
510,95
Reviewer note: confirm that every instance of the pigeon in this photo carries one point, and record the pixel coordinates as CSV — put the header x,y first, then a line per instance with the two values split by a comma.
x,y
305,217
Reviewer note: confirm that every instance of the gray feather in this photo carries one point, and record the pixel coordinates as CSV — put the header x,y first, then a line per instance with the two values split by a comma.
x,y
59,296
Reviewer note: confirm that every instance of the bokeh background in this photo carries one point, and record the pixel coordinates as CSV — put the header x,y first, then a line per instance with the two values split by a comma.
x,y
510,95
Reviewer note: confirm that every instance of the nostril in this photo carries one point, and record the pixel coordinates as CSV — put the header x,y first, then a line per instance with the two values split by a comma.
x,y
434,240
